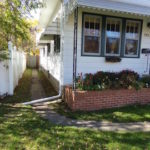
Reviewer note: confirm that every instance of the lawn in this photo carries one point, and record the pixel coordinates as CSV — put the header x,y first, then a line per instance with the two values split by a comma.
x,y
127,114
22,129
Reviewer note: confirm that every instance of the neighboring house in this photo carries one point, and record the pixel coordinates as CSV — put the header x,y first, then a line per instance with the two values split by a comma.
x,y
105,28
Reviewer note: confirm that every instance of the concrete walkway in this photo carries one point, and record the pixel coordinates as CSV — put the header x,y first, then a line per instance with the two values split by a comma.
x,y
43,109
37,90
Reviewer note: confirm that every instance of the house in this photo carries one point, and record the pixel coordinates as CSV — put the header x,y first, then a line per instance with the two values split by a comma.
x,y
84,35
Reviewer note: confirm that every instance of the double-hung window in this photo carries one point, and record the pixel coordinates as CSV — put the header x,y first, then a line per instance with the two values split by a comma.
x,y
110,36
132,38
113,36
92,35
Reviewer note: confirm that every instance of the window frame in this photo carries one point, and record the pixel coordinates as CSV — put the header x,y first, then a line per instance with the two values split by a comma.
x,y
48,49
120,41
139,39
83,36
57,41
103,35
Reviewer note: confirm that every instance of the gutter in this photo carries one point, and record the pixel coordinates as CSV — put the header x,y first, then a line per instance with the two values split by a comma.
x,y
61,71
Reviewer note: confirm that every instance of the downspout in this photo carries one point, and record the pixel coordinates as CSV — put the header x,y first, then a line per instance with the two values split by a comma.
x,y
61,69
75,47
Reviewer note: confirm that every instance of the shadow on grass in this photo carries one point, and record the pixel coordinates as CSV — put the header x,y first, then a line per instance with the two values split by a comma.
x,y
127,114
21,128
22,92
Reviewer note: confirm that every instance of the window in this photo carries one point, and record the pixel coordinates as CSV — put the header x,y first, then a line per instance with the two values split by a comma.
x,y
48,49
92,35
113,36
57,43
132,37
110,36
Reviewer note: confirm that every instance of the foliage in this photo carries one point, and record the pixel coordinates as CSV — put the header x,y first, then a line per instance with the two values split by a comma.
x,y
4,55
112,59
107,80
128,78
13,21
146,81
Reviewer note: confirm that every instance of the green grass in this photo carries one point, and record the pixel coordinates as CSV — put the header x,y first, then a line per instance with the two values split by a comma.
x,y
22,129
135,113
48,88
22,92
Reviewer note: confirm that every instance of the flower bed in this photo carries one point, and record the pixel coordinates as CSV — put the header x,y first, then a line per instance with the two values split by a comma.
x,y
108,90
97,100
125,79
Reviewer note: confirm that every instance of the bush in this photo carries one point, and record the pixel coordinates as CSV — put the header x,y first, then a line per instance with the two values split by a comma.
x,y
146,81
128,79
107,80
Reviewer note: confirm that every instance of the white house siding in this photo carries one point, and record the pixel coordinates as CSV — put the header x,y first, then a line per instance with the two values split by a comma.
x,y
51,65
93,64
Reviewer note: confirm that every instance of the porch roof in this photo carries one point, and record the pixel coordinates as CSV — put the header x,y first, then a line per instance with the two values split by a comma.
x,y
116,5
124,6
49,12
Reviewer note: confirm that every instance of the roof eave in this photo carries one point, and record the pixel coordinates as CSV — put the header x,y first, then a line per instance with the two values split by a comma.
x,y
49,12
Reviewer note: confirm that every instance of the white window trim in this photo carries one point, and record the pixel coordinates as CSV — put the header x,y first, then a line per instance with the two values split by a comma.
x,y
100,37
138,47
107,54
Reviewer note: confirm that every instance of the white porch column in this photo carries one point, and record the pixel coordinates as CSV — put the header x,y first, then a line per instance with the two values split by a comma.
x,y
46,57
11,78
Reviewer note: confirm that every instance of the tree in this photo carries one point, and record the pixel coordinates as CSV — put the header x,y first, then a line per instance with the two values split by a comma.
x,y
13,21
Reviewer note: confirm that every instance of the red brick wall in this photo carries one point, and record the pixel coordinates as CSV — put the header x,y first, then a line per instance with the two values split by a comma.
x,y
96,100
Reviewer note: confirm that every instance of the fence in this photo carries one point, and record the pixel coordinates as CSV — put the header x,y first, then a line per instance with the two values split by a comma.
x,y
32,61
11,70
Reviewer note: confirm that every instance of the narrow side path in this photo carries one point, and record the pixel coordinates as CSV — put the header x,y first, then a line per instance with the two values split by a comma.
x,y
37,90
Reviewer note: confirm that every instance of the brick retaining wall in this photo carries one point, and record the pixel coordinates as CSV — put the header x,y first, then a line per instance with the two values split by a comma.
x,y
96,100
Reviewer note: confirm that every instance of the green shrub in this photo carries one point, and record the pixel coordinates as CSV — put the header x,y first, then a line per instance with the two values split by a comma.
x,y
107,80
146,81
128,79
